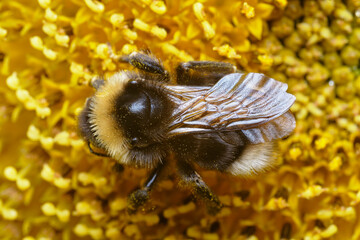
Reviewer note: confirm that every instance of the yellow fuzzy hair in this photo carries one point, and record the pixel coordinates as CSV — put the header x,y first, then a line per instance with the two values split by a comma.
x,y
109,135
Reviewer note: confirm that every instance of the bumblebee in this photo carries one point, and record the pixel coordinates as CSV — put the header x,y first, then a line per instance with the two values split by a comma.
x,y
216,118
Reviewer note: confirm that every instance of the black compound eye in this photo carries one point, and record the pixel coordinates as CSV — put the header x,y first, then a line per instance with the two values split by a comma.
x,y
134,141
133,83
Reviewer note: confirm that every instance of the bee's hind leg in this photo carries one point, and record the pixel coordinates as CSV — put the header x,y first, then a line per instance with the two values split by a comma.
x,y
139,197
192,179
199,73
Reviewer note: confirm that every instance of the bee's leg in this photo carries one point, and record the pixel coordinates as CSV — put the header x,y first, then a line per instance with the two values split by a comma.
x,y
139,197
96,153
97,82
191,178
143,62
146,63
199,73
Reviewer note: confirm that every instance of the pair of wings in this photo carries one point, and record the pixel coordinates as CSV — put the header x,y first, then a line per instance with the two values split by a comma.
x,y
252,103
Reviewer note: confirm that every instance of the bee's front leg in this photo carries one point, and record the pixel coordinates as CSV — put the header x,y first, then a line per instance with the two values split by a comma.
x,y
139,197
199,73
96,153
97,82
192,179
146,63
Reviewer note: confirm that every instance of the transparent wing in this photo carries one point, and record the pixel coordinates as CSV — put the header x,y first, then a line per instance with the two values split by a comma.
x,y
253,103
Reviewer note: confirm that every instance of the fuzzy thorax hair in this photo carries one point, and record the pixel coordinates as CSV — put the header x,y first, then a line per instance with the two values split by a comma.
x,y
103,124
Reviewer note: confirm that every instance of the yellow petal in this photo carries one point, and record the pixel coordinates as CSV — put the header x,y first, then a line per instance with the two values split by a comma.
x,y
263,10
255,27
243,46
330,231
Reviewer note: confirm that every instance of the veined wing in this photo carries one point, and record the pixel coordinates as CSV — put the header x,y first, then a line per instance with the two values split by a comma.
x,y
254,103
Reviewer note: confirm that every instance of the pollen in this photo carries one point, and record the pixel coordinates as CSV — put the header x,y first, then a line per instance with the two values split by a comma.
x,y
131,35
128,48
49,28
37,43
63,138
158,7
77,143
276,204
76,68
13,81
248,10
281,3
10,173
3,32
33,133
295,153
62,182
96,233
9,214
44,3
28,238
102,51
48,209
47,173
118,205
321,143
132,230
82,208
95,6
50,15
208,29
112,233
23,95
159,32
50,54
266,60
47,142
330,231
62,40
117,19
139,24
43,112
81,230
63,215
85,178
23,183
312,192
199,11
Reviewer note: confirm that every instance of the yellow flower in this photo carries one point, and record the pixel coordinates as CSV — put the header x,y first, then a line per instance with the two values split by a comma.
x,y
51,187
252,14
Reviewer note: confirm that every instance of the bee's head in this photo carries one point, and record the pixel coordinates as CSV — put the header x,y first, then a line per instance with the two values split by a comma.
x,y
128,118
